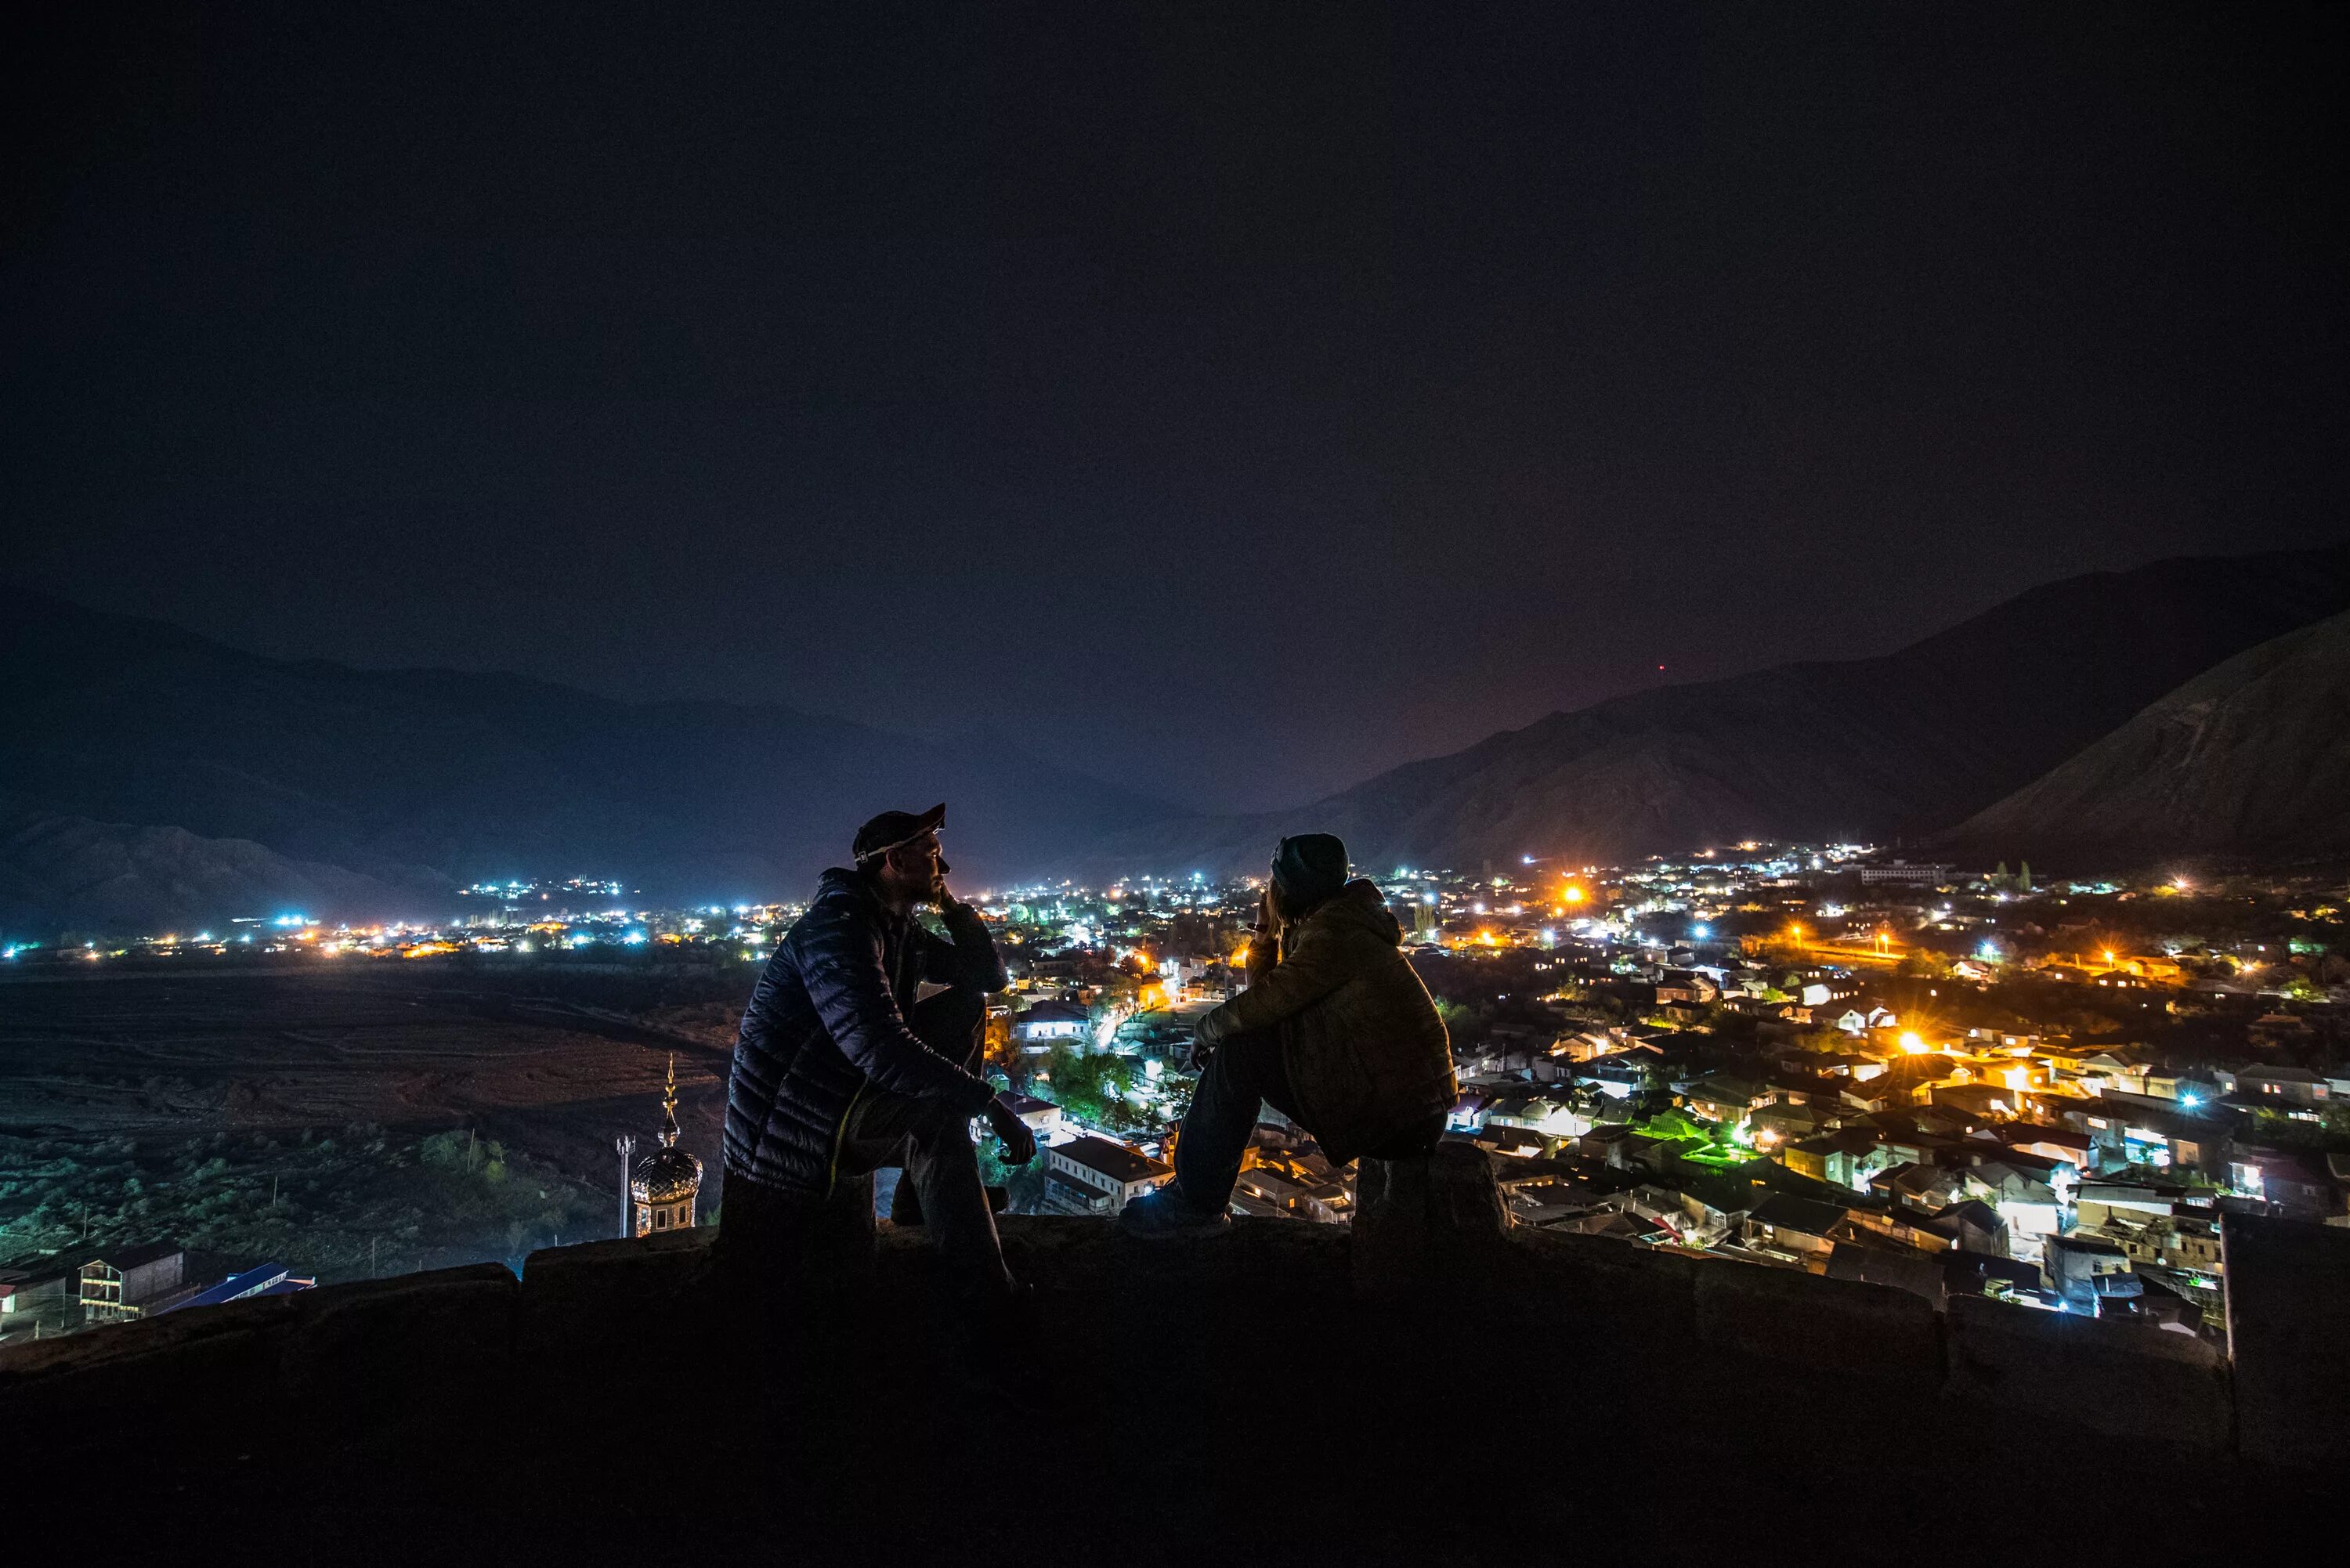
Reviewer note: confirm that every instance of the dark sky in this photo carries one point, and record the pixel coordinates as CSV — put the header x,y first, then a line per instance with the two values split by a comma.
x,y
1230,401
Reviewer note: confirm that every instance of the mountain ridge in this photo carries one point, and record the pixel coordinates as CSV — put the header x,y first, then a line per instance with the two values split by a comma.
x,y
1894,745
121,719
2254,754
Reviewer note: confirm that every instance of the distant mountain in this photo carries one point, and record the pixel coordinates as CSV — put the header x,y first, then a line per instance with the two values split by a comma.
x,y
2251,756
69,873
120,720
1861,749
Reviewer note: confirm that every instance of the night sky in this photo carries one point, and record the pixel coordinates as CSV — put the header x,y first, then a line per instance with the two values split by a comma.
x,y
1229,401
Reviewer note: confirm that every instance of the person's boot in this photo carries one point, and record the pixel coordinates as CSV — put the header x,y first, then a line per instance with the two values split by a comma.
x,y
1165,1214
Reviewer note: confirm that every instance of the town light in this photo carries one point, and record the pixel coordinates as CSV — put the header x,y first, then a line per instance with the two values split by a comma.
x,y
1574,893
1913,1043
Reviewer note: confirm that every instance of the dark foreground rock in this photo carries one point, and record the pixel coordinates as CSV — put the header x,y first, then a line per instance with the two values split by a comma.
x,y
1435,1388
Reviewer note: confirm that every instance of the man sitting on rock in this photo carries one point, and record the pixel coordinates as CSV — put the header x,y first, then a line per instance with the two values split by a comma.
x,y
1335,1031
838,1071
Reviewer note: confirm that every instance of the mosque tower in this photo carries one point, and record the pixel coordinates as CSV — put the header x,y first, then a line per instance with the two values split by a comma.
x,y
661,1188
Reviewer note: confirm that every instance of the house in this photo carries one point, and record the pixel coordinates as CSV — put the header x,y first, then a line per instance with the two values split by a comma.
x,y
1512,1143
1538,1114
2272,1086
2028,1194
1271,1186
1720,1097
1042,1117
2130,1129
1783,1122
1331,1202
2180,1240
1844,1064
1687,986
1985,1100
1974,1226
2093,1276
1467,1112
41,1298
1047,1023
2059,1143
1795,1226
1091,1175
1926,1186
2296,1185
132,1281
1550,1199
1848,1156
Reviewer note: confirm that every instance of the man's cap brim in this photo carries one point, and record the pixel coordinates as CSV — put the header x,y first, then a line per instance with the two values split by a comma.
x,y
906,832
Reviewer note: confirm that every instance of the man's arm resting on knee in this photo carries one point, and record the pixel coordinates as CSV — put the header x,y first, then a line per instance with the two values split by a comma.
x,y
851,995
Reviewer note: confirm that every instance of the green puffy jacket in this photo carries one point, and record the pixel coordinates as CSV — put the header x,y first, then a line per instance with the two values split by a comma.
x,y
1366,1053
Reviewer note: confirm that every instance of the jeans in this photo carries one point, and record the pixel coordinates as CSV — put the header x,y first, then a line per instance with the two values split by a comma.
x,y
1246,1071
933,1141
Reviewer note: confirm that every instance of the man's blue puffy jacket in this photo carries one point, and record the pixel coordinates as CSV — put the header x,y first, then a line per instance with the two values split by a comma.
x,y
828,1023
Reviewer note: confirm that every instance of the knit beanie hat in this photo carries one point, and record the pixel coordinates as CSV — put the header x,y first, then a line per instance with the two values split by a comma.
x,y
1309,868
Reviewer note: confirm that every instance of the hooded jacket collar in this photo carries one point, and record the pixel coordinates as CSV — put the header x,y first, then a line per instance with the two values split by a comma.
x,y
1360,905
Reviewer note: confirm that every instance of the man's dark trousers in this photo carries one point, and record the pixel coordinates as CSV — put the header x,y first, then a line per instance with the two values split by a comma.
x,y
929,1137
942,1178
1245,1073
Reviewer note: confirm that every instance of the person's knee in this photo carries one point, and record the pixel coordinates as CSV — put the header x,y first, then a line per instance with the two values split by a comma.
x,y
940,1128
1239,1065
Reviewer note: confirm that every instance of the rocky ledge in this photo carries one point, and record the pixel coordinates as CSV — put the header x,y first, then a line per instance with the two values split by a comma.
x,y
1433,1385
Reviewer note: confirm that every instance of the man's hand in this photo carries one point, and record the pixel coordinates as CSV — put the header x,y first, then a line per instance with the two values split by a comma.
x,y
1019,1143
1206,1035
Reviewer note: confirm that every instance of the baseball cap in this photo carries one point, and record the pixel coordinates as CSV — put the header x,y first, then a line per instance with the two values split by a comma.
x,y
891,828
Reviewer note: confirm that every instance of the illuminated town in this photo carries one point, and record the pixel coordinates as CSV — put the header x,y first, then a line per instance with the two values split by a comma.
x,y
1821,1058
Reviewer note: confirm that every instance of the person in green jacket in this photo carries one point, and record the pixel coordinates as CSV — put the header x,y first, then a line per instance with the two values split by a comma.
x,y
1334,1031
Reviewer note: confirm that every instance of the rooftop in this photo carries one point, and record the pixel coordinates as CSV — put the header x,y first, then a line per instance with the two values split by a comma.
x,y
1114,1160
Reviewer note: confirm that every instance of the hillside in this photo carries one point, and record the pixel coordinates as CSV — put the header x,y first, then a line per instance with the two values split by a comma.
x,y
69,873
2251,756
124,720
1861,749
